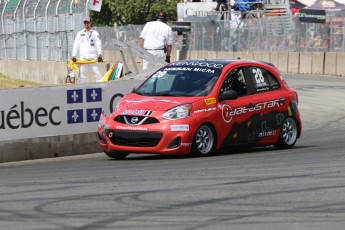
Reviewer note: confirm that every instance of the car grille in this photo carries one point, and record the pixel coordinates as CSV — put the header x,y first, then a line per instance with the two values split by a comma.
x,y
135,120
134,138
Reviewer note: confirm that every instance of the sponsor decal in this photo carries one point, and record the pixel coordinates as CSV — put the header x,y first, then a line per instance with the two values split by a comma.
x,y
131,128
269,133
228,113
198,64
22,117
152,100
204,70
141,112
205,110
179,127
262,89
159,74
210,101
186,144
312,16
186,69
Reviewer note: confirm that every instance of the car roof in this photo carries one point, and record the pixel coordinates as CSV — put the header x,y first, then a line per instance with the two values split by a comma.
x,y
218,61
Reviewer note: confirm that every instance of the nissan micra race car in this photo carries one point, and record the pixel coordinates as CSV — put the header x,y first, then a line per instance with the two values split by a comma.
x,y
203,106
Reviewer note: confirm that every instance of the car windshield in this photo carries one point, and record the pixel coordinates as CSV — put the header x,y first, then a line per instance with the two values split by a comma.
x,y
180,81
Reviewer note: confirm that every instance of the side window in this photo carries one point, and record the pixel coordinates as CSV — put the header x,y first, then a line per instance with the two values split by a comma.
x,y
235,81
263,80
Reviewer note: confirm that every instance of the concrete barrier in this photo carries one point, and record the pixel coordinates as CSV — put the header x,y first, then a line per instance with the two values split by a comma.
x,y
283,61
274,58
202,54
318,62
293,62
56,120
194,54
305,60
340,66
48,147
258,55
266,56
211,54
330,63
225,55
54,73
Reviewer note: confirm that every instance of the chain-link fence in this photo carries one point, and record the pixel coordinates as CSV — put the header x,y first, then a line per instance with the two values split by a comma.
x,y
45,30
39,29
248,34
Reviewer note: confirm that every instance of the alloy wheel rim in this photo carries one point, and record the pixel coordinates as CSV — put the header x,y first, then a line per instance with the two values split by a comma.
x,y
289,131
204,140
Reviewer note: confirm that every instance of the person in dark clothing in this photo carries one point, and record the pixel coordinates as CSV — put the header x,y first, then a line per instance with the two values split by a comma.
x,y
222,4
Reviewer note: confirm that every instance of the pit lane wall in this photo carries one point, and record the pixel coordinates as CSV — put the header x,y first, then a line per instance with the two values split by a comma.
x,y
55,121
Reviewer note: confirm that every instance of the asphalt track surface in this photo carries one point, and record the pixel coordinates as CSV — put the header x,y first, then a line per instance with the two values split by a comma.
x,y
302,188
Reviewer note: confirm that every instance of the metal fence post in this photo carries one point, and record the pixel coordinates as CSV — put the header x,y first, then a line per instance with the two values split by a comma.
x,y
15,29
47,32
72,24
35,29
24,32
3,29
87,8
58,30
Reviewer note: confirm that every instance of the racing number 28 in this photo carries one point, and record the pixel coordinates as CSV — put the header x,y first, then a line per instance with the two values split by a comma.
x,y
258,76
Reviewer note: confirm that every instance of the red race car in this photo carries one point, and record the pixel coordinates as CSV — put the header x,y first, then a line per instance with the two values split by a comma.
x,y
203,106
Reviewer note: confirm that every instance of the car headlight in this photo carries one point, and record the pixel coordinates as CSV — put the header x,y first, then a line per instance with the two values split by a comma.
x,y
178,112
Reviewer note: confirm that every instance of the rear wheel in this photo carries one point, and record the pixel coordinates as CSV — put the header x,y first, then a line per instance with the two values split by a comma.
x,y
288,134
204,142
117,155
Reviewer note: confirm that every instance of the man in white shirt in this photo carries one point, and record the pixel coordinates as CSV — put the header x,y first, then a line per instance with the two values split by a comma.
x,y
89,46
156,38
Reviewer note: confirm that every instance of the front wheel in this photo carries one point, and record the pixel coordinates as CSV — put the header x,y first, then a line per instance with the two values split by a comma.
x,y
288,134
204,142
117,155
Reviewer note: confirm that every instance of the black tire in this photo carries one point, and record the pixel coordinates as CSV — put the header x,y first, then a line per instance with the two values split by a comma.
x,y
204,142
288,134
117,155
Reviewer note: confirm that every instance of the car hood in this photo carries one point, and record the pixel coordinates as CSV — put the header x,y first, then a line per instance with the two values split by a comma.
x,y
136,102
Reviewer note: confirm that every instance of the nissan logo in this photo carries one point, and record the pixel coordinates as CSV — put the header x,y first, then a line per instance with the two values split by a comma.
x,y
134,120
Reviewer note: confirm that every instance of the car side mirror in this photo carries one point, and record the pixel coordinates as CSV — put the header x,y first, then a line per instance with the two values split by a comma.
x,y
228,95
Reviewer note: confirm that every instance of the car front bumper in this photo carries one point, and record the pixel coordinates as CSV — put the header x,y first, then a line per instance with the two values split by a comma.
x,y
167,137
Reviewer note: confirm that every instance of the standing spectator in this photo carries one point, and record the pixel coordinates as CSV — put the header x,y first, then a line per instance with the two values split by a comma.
x,y
222,5
89,46
156,38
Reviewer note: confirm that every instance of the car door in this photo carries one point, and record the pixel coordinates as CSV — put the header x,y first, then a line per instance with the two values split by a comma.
x,y
240,120
269,100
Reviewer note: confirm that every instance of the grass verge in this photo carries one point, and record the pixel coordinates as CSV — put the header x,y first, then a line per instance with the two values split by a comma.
x,y
6,82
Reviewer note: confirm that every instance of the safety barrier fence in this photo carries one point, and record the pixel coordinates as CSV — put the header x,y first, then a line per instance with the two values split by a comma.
x,y
251,34
39,29
45,30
